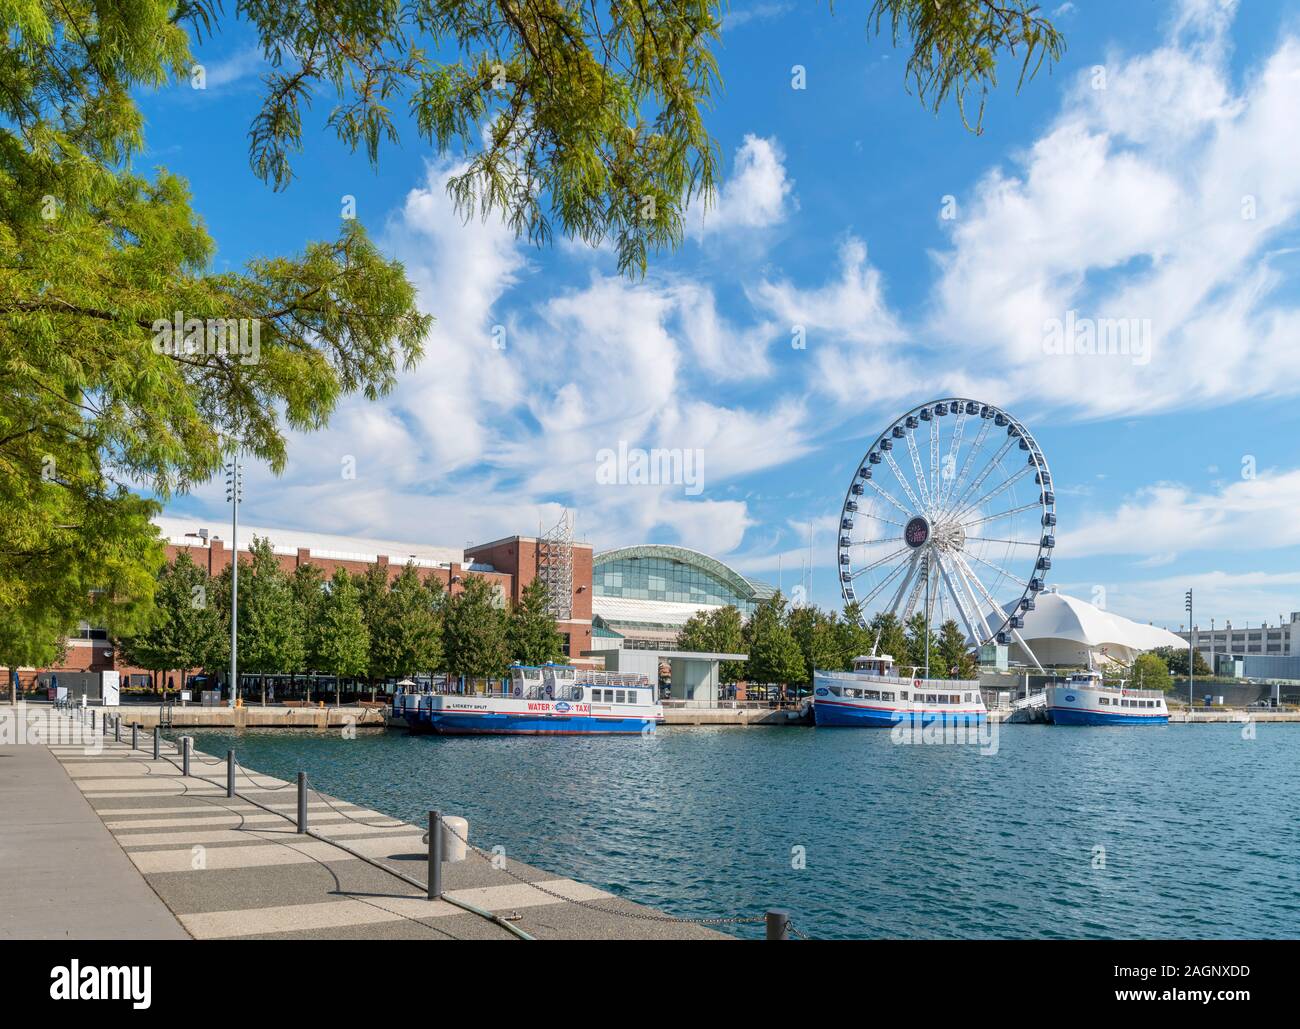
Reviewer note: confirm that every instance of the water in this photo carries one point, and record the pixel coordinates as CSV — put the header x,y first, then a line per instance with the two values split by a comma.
x,y
1199,826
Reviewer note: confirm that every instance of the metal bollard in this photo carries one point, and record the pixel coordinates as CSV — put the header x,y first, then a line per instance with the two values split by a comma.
x,y
135,735
117,729
778,924
302,801
185,755
92,719
230,773
157,740
435,855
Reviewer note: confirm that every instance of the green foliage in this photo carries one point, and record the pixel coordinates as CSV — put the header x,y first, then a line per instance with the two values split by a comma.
x,y
916,638
1149,672
187,627
888,637
818,636
953,658
308,588
774,654
406,630
1175,659
345,641
270,633
474,631
855,639
719,631
956,45
530,630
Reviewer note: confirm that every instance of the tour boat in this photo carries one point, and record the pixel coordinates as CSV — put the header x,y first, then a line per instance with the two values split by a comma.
x,y
874,694
1085,698
541,700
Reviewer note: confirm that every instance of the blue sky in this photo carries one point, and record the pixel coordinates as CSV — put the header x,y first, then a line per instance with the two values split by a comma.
x,y
1170,195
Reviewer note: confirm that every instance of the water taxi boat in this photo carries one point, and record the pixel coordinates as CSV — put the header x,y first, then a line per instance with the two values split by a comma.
x,y
1085,698
555,700
874,694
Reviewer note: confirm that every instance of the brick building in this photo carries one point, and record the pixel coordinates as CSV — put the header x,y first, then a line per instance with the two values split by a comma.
x,y
509,564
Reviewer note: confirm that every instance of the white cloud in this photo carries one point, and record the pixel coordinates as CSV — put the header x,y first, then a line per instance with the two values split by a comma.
x,y
756,195
1161,197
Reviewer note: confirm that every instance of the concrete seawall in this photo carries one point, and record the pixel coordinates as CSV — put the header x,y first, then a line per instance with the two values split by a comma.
x,y
195,716
237,868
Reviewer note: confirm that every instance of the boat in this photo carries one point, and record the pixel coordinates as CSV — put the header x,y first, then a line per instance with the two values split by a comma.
x,y
1085,698
540,700
874,694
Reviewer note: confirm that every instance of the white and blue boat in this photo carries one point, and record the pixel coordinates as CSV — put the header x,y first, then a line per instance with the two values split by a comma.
x,y
546,700
873,694
1085,698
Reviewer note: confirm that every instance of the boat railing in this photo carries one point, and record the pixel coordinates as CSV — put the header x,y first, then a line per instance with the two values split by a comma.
x,y
925,684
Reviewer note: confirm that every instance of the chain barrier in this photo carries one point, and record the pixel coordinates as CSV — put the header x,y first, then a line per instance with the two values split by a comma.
x,y
351,818
635,915
269,789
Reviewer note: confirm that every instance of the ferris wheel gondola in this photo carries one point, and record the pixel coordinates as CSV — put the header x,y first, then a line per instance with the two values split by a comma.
x,y
951,508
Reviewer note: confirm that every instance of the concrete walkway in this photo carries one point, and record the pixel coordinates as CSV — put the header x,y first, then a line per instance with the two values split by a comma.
x,y
227,868
62,874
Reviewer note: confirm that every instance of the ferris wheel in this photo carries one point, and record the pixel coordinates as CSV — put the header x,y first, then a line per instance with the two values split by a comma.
x,y
951,508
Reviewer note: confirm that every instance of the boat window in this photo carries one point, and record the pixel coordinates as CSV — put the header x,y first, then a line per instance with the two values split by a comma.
x,y
622,694
886,696
1105,701
835,690
871,694
903,695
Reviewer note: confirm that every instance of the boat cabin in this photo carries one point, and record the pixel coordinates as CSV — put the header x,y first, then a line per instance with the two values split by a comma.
x,y
875,664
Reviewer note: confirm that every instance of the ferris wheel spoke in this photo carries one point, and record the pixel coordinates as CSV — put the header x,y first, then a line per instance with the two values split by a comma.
x,y
973,585
1001,571
872,483
875,591
976,446
917,586
958,599
1015,543
996,491
906,581
1000,514
922,482
978,481
934,456
988,597
916,504
876,564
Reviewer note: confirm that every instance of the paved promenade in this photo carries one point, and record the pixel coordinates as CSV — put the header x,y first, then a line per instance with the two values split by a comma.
x,y
228,869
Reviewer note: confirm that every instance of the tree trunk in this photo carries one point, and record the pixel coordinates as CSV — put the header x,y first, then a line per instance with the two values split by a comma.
x,y
13,686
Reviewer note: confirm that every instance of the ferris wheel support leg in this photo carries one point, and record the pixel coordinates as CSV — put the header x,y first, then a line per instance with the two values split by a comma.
x,y
1025,647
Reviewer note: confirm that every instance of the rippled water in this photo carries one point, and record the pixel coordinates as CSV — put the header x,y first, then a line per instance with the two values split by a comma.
x,y
1200,827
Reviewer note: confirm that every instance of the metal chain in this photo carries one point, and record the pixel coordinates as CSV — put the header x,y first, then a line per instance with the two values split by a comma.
x,y
351,818
636,915
269,789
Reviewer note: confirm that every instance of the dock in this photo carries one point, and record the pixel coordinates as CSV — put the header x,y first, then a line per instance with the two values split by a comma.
x,y
170,856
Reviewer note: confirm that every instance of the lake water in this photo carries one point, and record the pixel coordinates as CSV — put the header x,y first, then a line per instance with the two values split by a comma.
x,y
1174,831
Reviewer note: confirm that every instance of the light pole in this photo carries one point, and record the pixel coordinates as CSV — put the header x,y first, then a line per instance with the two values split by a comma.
x,y
234,494
1191,652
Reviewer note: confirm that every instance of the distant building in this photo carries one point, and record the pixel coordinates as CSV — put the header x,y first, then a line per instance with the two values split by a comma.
x,y
645,594
1281,640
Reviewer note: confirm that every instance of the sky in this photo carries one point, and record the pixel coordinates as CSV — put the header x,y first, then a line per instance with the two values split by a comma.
x,y
863,256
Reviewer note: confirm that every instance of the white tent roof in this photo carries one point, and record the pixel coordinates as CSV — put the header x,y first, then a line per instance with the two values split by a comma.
x,y
1066,630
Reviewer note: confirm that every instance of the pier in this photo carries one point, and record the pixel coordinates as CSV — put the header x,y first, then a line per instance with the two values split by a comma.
x,y
163,855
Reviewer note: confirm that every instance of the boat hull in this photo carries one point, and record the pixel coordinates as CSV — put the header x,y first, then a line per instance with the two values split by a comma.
x,y
1077,716
838,714
532,725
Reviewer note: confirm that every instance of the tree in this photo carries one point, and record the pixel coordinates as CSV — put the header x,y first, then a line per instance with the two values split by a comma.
x,y
593,125
308,589
774,654
531,632
407,637
345,641
916,633
187,628
817,634
888,636
270,635
373,587
855,638
1149,672
1175,659
954,658
717,631
474,631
